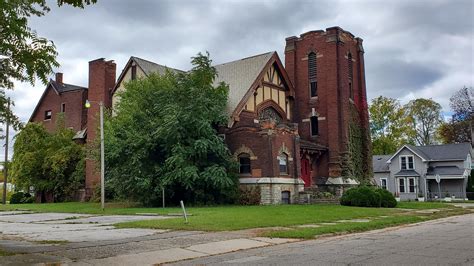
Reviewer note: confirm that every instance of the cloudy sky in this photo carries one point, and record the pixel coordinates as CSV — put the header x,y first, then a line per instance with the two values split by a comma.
x,y
413,48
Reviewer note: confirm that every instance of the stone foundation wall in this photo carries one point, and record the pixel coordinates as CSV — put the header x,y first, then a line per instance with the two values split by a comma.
x,y
271,188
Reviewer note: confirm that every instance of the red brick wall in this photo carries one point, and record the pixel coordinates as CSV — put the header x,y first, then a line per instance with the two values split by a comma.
x,y
265,142
333,102
52,101
101,82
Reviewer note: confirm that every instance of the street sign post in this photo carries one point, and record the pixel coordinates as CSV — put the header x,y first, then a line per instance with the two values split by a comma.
x,y
438,180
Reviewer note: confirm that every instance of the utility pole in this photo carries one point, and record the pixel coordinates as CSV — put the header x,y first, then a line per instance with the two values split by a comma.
x,y
5,164
102,163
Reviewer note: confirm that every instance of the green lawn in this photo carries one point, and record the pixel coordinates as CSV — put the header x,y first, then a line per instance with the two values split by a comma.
x,y
422,205
240,217
352,227
343,228
87,208
243,217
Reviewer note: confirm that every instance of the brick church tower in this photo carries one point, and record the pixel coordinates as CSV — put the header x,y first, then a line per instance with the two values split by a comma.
x,y
327,71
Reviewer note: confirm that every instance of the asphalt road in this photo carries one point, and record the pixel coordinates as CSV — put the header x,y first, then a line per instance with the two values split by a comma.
x,y
440,242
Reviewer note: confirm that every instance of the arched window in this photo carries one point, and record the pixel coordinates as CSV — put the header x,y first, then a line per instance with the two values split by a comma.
x,y
244,161
283,162
270,114
350,75
314,126
312,74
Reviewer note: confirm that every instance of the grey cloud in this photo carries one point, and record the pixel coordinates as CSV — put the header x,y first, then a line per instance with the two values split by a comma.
x,y
396,34
395,78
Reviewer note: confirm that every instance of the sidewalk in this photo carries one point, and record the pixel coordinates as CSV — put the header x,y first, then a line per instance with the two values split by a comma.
x,y
183,253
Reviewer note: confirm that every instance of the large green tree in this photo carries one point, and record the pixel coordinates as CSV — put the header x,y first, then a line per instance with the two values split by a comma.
x,y
425,115
25,56
389,125
50,162
458,129
164,134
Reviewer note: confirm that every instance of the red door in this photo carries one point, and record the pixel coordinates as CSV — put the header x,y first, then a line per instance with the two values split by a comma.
x,y
306,172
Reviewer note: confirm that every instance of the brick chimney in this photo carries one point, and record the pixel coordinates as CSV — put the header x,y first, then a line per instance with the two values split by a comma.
x,y
101,82
59,77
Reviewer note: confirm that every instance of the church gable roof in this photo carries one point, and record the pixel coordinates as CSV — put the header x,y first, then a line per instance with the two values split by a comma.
x,y
150,67
240,75
146,66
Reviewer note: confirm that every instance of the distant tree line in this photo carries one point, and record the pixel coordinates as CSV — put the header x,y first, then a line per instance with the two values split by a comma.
x,y
420,122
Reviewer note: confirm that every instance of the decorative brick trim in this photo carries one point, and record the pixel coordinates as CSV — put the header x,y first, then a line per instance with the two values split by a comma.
x,y
245,149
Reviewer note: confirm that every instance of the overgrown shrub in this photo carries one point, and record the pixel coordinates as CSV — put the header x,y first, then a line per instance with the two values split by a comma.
x,y
365,196
387,199
249,195
20,197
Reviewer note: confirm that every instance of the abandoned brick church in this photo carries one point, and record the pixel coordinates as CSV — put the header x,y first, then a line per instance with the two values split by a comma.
x,y
292,128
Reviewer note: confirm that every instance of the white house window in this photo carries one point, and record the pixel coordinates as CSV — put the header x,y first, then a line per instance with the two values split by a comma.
x,y
401,185
411,185
383,183
63,107
407,162
283,162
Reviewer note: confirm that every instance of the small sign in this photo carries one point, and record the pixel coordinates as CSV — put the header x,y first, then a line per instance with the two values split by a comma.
x,y
438,178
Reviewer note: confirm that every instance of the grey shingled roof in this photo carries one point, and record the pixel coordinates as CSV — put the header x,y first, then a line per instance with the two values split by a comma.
x,y
63,87
407,173
150,67
240,75
443,152
445,170
379,163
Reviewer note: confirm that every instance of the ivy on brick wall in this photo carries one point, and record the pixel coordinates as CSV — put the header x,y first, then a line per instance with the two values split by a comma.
x,y
357,161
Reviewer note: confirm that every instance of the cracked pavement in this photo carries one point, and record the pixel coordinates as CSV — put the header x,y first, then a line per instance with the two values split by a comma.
x,y
437,242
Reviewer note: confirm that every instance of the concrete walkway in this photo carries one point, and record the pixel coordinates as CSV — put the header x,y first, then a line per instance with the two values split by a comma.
x,y
79,239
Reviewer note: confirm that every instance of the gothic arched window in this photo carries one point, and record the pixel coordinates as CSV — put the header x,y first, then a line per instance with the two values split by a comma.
x,y
312,74
283,162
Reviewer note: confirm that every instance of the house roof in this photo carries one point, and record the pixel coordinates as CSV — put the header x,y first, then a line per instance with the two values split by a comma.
x,y
444,152
407,173
240,75
445,170
58,88
64,87
379,163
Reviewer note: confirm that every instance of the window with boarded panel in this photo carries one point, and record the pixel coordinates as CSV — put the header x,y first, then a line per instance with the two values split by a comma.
x,y
312,74
350,75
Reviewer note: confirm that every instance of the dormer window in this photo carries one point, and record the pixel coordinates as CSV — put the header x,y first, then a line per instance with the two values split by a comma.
x,y
407,162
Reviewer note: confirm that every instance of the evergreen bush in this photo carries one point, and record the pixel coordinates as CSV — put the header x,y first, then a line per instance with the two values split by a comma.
x,y
365,196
